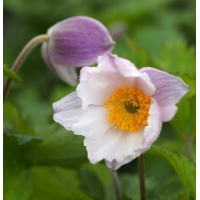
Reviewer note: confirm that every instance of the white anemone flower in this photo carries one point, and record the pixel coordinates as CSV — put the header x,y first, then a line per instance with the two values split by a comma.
x,y
119,109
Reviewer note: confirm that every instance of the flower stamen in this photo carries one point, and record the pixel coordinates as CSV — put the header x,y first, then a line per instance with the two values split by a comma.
x,y
128,109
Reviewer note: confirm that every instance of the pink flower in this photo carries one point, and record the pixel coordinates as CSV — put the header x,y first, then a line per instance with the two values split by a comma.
x,y
75,42
119,109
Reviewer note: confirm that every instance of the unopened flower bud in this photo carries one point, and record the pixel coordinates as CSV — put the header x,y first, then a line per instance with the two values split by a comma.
x,y
75,42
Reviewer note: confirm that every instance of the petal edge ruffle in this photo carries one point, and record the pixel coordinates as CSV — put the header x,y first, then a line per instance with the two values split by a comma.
x,y
169,89
68,110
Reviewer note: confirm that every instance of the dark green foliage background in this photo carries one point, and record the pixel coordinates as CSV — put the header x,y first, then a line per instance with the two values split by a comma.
x,y
44,161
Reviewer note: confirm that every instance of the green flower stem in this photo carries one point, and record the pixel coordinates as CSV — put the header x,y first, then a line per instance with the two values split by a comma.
x,y
117,185
21,57
142,177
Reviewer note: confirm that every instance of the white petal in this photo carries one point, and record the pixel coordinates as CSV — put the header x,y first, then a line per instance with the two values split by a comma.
x,y
114,145
134,140
68,110
105,147
99,85
86,70
169,89
168,112
126,68
93,124
153,129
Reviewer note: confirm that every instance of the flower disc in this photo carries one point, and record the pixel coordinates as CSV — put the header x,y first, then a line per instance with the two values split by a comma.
x,y
128,108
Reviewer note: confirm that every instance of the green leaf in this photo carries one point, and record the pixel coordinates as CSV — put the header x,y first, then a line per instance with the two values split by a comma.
x,y
58,147
184,122
106,180
41,183
23,139
18,184
151,37
25,181
57,183
185,168
130,186
140,56
61,148
17,148
14,121
92,184
10,74
180,120
177,58
35,111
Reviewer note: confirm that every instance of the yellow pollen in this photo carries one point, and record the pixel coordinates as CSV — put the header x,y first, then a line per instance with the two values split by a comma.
x,y
128,109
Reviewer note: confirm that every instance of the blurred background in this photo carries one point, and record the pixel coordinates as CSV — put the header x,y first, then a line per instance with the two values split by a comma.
x,y
45,162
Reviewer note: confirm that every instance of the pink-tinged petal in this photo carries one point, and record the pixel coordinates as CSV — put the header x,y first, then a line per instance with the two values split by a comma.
x,y
126,68
153,129
110,62
144,84
114,145
46,55
64,72
168,112
169,89
107,63
96,86
68,110
114,165
93,124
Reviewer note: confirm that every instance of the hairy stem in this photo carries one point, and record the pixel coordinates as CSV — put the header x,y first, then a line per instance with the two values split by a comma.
x,y
142,177
21,57
117,185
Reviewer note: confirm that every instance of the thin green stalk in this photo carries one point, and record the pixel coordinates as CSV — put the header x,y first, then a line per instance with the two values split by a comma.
x,y
21,57
117,185
142,177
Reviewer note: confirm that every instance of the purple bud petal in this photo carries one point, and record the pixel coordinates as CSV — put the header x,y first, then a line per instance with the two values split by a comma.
x,y
76,42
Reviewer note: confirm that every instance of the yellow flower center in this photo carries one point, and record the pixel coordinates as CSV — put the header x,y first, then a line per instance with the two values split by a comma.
x,y
128,109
